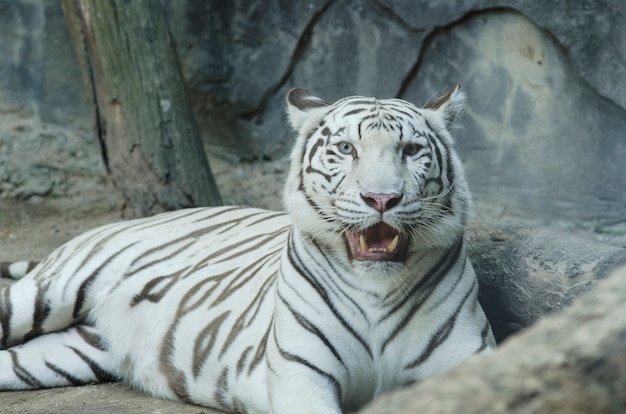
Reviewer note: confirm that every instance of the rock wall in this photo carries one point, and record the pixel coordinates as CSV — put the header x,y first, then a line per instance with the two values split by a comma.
x,y
543,134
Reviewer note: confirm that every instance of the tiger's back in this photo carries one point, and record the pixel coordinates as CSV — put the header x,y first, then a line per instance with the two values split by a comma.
x,y
362,288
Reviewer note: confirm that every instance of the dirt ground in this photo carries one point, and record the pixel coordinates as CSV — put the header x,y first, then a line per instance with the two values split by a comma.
x,y
31,229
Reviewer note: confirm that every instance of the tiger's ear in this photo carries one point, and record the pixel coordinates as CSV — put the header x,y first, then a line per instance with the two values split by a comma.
x,y
304,109
450,105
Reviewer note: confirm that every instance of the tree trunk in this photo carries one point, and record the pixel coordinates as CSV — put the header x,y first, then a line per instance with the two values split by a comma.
x,y
150,142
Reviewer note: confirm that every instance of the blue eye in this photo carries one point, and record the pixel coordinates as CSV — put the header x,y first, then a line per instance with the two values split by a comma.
x,y
345,148
411,149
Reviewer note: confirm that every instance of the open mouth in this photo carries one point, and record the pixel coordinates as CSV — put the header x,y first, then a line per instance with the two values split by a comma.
x,y
378,242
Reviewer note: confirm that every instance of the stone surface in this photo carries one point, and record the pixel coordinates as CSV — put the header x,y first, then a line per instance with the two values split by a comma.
x,y
537,140
568,363
543,138
92,399
39,159
526,273
39,72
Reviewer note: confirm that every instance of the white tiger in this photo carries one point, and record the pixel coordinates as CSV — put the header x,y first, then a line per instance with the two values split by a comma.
x,y
362,288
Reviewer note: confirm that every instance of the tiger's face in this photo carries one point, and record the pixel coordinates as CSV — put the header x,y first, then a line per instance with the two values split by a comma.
x,y
377,179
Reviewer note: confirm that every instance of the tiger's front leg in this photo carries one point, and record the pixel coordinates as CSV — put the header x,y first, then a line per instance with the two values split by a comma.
x,y
296,384
75,356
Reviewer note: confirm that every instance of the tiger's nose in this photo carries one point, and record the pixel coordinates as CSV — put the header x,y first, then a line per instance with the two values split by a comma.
x,y
381,202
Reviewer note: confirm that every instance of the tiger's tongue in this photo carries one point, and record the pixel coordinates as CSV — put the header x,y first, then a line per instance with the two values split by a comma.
x,y
379,242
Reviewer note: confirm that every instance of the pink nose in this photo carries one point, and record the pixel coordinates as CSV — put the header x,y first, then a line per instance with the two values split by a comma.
x,y
381,202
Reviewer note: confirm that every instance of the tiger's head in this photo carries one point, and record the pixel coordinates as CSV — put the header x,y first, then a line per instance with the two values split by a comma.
x,y
376,179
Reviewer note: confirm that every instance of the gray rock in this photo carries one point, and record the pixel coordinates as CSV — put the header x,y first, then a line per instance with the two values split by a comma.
x,y
38,67
569,363
544,134
93,399
592,33
538,141
235,56
526,273
41,159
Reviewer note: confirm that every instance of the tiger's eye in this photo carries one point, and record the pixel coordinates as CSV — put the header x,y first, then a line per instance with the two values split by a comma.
x,y
345,147
411,149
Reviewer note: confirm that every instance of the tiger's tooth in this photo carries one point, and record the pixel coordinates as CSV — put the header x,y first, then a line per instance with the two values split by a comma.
x,y
394,243
364,246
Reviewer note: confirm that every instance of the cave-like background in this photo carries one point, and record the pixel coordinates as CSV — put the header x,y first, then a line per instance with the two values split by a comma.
x,y
543,137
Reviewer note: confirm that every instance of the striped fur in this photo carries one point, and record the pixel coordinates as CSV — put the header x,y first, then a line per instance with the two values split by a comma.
x,y
16,270
363,287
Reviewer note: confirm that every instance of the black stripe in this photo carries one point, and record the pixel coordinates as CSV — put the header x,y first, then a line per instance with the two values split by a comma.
x,y
400,109
310,326
432,277
4,270
248,316
354,112
22,373
160,258
84,286
333,190
154,291
309,169
98,247
349,102
452,288
442,333
259,355
221,391
242,359
238,280
204,342
48,262
318,210
450,174
191,236
268,217
6,312
261,239
41,312
339,275
299,360
92,339
69,377
101,374
298,266
423,289
484,333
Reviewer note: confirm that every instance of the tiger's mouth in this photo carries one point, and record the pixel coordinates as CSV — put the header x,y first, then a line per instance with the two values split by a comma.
x,y
380,242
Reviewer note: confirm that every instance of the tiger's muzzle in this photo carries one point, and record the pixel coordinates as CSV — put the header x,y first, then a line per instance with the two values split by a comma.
x,y
380,242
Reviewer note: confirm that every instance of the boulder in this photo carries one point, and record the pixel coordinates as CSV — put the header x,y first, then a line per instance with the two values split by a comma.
x,y
526,273
537,140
